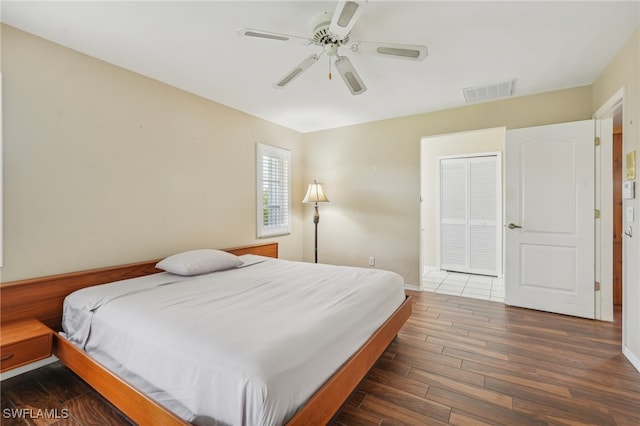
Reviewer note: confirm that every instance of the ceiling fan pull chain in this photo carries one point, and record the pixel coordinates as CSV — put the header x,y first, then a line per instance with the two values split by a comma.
x,y
329,57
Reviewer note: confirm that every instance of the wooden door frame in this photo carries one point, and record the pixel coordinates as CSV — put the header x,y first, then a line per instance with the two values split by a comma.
x,y
604,181
618,228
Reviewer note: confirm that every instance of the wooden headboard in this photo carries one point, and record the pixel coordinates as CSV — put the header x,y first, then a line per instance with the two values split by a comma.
x,y
42,297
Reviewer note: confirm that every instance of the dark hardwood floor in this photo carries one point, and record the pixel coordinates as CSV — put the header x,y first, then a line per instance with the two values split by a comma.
x,y
471,362
456,361
53,395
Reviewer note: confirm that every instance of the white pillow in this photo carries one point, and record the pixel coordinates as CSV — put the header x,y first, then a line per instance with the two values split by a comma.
x,y
196,262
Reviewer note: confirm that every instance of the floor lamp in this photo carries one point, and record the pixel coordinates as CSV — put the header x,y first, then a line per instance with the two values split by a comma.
x,y
315,195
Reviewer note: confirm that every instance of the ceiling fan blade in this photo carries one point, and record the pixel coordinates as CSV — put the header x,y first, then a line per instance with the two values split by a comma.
x,y
296,71
350,76
250,32
414,52
345,17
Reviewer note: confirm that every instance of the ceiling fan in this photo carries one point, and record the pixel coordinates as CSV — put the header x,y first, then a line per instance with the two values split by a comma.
x,y
330,31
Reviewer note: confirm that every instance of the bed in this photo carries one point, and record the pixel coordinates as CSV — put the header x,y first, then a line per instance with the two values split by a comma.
x,y
261,370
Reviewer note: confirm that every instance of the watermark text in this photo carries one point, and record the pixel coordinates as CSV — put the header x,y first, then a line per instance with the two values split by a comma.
x,y
35,413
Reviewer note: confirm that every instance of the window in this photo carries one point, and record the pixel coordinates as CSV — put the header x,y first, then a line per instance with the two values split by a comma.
x,y
273,170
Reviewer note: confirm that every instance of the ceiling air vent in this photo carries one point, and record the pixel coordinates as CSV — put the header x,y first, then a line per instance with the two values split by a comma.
x,y
489,93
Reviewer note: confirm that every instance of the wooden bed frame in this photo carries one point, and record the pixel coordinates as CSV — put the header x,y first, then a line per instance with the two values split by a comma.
x,y
42,298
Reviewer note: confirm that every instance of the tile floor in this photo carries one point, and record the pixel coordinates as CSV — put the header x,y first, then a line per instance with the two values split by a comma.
x,y
466,285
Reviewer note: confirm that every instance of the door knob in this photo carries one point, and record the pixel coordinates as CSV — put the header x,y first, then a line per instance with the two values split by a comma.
x,y
514,226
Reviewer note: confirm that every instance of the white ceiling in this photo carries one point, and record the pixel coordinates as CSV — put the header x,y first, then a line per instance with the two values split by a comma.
x,y
544,45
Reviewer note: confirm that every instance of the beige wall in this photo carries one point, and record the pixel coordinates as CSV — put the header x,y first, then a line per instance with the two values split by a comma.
x,y
372,172
624,72
103,166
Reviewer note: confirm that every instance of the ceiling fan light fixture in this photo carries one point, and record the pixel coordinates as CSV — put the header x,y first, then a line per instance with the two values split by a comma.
x,y
331,31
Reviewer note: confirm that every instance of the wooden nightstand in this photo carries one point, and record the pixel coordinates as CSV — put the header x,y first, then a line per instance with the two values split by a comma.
x,y
23,342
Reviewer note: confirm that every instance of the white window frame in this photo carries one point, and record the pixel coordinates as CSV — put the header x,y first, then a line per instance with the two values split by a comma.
x,y
281,190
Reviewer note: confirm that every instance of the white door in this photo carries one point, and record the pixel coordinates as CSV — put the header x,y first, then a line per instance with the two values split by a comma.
x,y
549,217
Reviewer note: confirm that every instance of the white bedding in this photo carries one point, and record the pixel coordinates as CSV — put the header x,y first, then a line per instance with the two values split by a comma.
x,y
246,346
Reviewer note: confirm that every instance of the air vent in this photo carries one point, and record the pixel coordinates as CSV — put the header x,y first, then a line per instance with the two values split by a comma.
x,y
488,93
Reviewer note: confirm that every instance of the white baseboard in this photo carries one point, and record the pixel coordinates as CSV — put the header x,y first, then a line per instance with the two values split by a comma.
x,y
631,357
412,287
429,269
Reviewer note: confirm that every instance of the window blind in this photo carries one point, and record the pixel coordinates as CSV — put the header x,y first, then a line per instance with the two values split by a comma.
x,y
273,191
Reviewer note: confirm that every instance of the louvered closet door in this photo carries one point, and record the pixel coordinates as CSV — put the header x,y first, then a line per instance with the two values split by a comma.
x,y
483,216
470,237
453,214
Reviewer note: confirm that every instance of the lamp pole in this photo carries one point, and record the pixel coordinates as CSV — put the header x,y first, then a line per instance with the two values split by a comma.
x,y
316,219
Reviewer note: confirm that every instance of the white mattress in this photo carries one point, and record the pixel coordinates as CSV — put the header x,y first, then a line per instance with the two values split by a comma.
x,y
246,346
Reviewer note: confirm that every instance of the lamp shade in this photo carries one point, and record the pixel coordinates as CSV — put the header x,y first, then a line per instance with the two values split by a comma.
x,y
315,194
